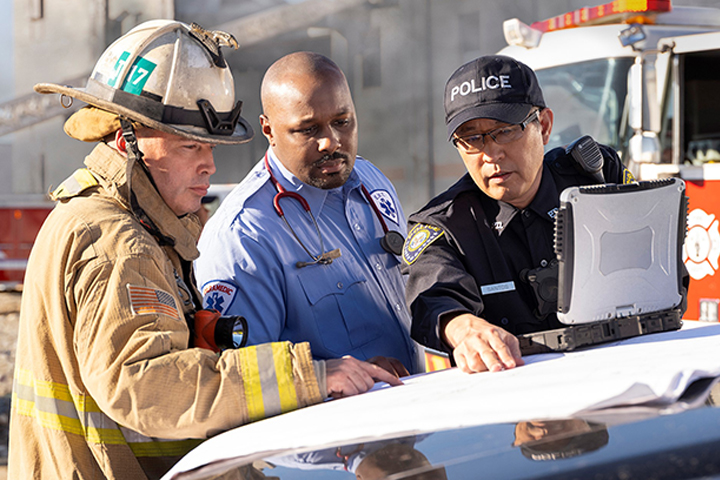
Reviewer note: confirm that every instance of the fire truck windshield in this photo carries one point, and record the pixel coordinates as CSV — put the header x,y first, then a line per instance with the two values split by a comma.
x,y
587,98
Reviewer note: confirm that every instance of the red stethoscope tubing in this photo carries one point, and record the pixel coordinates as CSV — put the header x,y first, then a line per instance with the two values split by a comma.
x,y
375,208
283,193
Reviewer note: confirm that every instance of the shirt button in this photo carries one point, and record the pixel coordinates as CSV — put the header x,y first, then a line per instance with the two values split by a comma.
x,y
526,213
357,226
504,321
398,307
378,266
340,285
543,263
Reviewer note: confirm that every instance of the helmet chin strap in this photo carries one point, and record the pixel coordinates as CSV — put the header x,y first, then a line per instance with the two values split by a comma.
x,y
134,155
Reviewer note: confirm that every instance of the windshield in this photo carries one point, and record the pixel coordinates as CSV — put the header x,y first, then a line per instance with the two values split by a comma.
x,y
587,99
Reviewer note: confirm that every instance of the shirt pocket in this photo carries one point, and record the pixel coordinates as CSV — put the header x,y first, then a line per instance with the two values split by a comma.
x,y
336,294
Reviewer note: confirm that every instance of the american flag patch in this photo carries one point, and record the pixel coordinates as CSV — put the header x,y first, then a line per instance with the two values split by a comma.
x,y
144,300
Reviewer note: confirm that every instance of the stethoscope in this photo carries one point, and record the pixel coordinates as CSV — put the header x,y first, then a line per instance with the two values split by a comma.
x,y
391,242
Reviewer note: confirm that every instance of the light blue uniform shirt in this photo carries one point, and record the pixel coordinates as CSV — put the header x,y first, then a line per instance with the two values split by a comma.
x,y
353,306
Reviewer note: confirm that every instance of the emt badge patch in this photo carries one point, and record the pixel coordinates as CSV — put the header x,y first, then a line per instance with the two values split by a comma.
x,y
419,238
218,295
386,205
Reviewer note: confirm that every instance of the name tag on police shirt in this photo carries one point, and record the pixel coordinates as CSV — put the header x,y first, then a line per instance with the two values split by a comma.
x,y
497,288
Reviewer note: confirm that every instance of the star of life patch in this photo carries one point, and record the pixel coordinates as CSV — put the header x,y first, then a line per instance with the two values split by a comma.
x,y
218,295
145,301
419,238
386,204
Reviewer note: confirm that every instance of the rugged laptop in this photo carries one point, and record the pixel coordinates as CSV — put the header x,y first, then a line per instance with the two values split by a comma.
x,y
619,256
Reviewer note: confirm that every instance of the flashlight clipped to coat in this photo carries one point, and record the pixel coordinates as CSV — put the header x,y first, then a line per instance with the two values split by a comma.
x,y
218,333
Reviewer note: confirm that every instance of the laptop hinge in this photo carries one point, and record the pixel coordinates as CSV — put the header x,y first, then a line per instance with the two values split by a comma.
x,y
577,336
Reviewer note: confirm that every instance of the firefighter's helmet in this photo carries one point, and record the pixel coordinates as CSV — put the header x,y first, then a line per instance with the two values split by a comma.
x,y
165,75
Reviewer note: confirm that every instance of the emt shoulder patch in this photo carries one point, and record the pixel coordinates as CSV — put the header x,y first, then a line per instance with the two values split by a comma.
x,y
218,295
385,204
419,238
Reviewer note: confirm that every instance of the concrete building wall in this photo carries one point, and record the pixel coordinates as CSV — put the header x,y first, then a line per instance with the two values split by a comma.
x,y
56,41
397,55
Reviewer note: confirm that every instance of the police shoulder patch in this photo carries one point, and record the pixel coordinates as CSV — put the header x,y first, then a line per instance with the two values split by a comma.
x,y
218,295
628,177
419,238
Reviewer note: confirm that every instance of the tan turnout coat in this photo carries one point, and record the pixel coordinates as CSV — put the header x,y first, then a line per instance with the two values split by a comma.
x,y
105,384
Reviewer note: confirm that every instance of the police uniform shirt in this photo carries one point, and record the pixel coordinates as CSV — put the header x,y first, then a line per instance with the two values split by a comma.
x,y
353,306
465,251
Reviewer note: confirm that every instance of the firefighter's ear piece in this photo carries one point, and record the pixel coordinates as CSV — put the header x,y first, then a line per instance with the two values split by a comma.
x,y
120,141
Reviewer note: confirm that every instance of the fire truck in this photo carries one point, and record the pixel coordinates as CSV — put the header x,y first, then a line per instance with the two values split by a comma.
x,y
21,217
642,76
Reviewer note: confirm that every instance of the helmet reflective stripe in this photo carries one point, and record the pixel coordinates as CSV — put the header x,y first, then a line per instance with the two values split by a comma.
x,y
53,406
168,76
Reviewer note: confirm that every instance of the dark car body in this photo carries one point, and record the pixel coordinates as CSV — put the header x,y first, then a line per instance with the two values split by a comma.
x,y
635,409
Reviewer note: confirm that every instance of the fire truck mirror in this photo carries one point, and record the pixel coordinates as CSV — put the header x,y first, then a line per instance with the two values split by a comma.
x,y
635,96
644,148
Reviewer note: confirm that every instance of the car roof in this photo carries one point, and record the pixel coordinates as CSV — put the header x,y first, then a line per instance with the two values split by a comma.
x,y
664,446
605,403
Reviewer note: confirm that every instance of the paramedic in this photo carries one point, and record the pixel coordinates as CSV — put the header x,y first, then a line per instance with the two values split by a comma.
x,y
307,246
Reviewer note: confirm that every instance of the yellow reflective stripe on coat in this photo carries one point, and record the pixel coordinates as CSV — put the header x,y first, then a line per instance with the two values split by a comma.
x,y
53,406
79,181
143,446
268,379
284,376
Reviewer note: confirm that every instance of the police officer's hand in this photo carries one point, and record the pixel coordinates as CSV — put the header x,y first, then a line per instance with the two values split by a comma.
x,y
349,376
392,365
479,345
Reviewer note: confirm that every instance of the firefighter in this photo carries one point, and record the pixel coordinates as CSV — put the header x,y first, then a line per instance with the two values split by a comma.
x,y
106,385
469,252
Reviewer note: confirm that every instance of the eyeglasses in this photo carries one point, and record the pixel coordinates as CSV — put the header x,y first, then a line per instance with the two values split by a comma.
x,y
475,143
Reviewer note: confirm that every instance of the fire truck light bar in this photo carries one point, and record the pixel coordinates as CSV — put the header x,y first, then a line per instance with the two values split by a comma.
x,y
613,12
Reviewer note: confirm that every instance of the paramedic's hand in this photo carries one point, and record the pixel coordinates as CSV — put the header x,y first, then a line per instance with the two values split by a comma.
x,y
349,376
392,365
479,345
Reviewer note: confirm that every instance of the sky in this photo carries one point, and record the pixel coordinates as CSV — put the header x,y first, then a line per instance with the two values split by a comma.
x,y
6,50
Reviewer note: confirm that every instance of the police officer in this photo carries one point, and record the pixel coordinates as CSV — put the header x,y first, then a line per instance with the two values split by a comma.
x,y
106,385
473,251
